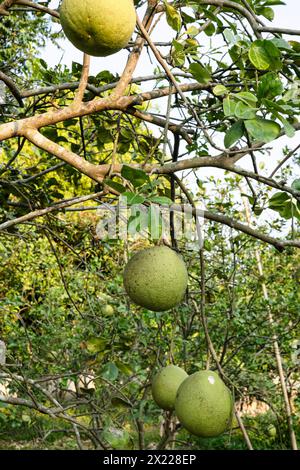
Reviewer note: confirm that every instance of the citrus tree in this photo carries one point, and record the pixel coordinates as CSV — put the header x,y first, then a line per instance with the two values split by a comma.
x,y
224,94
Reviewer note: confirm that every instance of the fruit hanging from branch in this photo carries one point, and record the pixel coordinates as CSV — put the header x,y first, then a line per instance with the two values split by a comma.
x,y
165,385
156,278
98,27
204,404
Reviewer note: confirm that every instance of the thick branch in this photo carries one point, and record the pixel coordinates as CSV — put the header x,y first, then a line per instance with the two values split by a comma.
x,y
5,5
83,80
67,156
270,29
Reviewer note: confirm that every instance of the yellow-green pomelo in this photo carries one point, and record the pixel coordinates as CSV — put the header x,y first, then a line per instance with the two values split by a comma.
x,y
98,27
156,278
165,385
203,404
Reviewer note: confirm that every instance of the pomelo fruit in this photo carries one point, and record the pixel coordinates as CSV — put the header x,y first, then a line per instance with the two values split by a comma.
x,y
156,278
204,404
98,27
165,385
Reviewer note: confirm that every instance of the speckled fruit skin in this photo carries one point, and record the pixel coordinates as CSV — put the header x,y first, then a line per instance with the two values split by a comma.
x,y
156,278
165,385
203,404
98,27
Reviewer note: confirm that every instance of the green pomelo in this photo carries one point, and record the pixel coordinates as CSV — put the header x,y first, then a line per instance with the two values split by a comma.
x,y
165,385
203,404
156,278
98,27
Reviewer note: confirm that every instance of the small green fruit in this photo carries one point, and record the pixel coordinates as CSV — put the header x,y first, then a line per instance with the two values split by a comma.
x,y
165,385
98,27
156,278
108,310
203,404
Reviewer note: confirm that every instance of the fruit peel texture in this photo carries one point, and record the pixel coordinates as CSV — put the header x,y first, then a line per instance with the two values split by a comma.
x,y
165,385
156,278
98,27
203,404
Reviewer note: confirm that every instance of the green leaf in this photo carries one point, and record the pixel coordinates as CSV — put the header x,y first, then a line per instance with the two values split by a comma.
x,y
296,184
235,132
262,130
274,2
192,31
242,111
50,133
267,12
229,106
281,44
288,128
284,205
247,98
173,17
278,200
95,345
210,29
295,45
110,371
229,36
200,73
103,135
114,185
269,86
133,198
124,368
135,176
264,55
220,90
178,53
119,402
163,200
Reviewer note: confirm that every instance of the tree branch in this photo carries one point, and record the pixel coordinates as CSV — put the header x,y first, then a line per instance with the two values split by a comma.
x,y
37,6
136,52
83,80
175,128
12,87
56,207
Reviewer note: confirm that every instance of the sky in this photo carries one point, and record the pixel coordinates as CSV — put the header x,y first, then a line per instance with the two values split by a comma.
x,y
285,16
